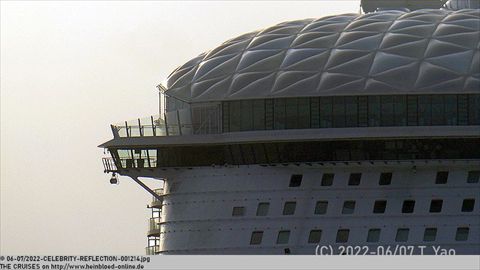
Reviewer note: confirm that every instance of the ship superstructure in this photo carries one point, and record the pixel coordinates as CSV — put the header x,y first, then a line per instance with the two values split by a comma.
x,y
347,130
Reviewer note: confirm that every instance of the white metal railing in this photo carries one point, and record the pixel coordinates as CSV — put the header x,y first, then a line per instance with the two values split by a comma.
x,y
158,126
158,191
152,250
154,224
109,165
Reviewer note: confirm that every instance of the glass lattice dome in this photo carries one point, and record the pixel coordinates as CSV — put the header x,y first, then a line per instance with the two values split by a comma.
x,y
387,52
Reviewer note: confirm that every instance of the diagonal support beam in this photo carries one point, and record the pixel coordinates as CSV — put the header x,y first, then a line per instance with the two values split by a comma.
x,y
158,197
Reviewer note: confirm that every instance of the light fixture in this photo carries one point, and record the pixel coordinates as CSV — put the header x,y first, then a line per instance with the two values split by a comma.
x,y
114,179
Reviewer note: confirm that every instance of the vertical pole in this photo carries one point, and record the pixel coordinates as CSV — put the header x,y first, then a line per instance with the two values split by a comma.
x,y
178,121
148,158
153,126
159,100
126,128
140,127
115,131
166,124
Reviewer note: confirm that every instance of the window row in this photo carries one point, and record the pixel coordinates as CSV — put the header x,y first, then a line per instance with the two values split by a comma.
x,y
373,235
348,208
273,153
351,111
385,178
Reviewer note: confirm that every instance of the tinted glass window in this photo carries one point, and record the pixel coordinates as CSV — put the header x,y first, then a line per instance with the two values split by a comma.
x,y
246,115
342,235
326,112
402,235
289,208
291,112
408,206
295,180
468,205
438,110
327,179
412,114
279,113
303,118
451,117
259,114
354,179
373,235
379,207
235,113
321,207
462,109
269,114
262,209
474,109
387,109
226,117
462,234
473,177
441,178
283,237
315,236
238,211
436,206
374,111
256,238
385,179
430,234
351,107
348,207
363,111
314,112
400,110
338,112
424,110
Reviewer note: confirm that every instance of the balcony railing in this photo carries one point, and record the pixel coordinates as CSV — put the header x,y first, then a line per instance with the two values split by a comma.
x,y
158,191
153,250
151,126
139,163
156,202
157,126
109,165
154,224
128,163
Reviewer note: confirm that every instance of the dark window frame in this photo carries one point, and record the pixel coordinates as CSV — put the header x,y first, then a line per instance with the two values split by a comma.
x,y
436,206
468,205
342,236
355,179
408,207
321,205
379,206
295,180
327,179
238,211
313,235
385,179
289,211
256,238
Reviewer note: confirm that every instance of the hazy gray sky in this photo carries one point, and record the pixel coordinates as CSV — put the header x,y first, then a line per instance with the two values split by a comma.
x,y
68,70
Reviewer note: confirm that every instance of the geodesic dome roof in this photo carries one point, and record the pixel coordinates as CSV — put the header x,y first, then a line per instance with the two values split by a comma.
x,y
387,52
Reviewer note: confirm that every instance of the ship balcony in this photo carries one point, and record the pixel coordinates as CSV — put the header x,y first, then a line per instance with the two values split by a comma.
x,y
156,203
175,123
153,250
154,227
111,165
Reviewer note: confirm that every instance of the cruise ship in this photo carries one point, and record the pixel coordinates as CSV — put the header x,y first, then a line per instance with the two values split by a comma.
x,y
348,134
